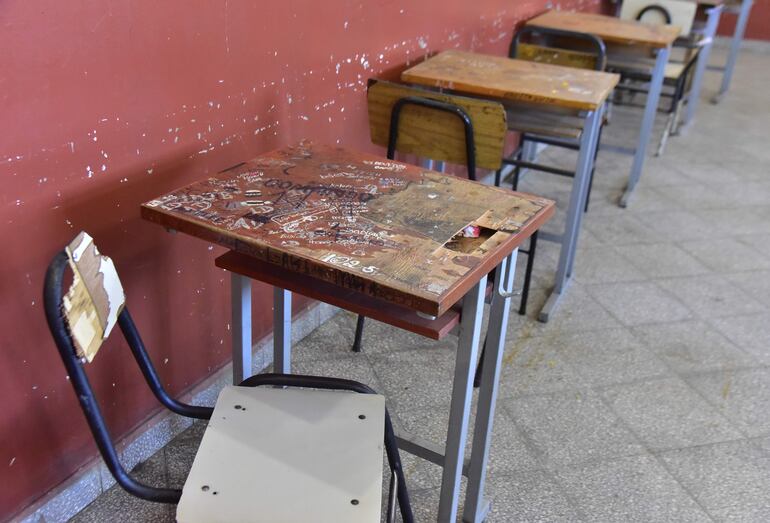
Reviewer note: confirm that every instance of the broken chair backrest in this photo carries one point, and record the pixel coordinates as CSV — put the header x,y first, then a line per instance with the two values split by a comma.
x,y
436,134
95,298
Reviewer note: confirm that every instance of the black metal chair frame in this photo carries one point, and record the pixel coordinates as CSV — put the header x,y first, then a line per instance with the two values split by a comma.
x,y
596,46
52,295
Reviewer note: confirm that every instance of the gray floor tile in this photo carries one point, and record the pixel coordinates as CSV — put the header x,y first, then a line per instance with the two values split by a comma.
x,y
639,303
667,414
118,505
629,489
533,496
603,264
417,378
534,366
180,453
577,311
351,366
625,229
673,225
730,480
605,357
729,255
758,242
691,346
509,453
663,260
571,427
755,283
744,219
751,333
742,396
711,296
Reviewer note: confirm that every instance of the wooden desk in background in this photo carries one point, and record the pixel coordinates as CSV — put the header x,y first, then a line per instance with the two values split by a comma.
x,y
359,230
624,39
556,93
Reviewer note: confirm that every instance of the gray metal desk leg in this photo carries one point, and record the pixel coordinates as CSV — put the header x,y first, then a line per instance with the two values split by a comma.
x,y
650,110
712,22
595,133
460,408
735,46
240,298
588,143
281,330
476,507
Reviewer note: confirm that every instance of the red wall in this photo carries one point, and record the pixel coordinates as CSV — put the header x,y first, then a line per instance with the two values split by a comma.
x,y
759,22
108,104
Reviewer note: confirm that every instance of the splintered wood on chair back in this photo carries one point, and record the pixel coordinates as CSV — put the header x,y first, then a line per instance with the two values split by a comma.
x,y
555,56
95,298
436,134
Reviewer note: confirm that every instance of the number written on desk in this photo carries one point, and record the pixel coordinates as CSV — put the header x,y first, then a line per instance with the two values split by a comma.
x,y
347,261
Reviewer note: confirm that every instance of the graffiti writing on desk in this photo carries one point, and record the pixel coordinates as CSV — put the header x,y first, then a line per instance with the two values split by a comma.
x,y
251,176
290,191
349,262
386,166
291,222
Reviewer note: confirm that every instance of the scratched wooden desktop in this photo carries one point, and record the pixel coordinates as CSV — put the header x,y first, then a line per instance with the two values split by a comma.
x,y
358,221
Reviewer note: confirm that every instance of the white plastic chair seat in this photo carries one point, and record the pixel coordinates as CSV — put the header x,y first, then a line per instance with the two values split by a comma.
x,y
288,455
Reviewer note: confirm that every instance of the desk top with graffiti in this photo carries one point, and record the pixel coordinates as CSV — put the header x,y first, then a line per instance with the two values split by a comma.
x,y
387,229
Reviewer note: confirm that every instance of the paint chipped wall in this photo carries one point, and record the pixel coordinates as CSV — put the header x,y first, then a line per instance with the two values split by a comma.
x,y
106,105
758,27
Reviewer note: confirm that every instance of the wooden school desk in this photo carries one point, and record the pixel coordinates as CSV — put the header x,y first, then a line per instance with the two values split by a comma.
x,y
370,234
545,93
712,9
624,39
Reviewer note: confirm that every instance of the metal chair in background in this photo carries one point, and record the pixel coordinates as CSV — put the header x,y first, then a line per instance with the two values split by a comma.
x,y
556,47
277,447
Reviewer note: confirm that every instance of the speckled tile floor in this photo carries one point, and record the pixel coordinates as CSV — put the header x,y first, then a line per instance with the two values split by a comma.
x,y
646,398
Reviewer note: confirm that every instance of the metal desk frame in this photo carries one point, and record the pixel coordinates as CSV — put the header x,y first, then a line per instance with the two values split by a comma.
x,y
713,15
452,455
569,237
735,47
648,120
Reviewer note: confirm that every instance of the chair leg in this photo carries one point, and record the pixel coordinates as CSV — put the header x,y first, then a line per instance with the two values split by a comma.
x,y
359,334
528,274
498,177
517,169
480,366
677,113
593,168
666,133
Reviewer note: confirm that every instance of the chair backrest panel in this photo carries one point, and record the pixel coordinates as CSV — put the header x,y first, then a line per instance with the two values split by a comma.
x,y
435,134
674,12
550,55
95,298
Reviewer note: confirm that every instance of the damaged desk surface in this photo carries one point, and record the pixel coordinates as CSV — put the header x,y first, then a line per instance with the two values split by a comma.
x,y
386,229
514,80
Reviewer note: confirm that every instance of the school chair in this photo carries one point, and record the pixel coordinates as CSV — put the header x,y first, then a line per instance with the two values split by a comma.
x,y
278,447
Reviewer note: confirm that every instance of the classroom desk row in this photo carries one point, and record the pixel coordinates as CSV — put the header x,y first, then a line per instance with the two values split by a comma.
x,y
376,236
